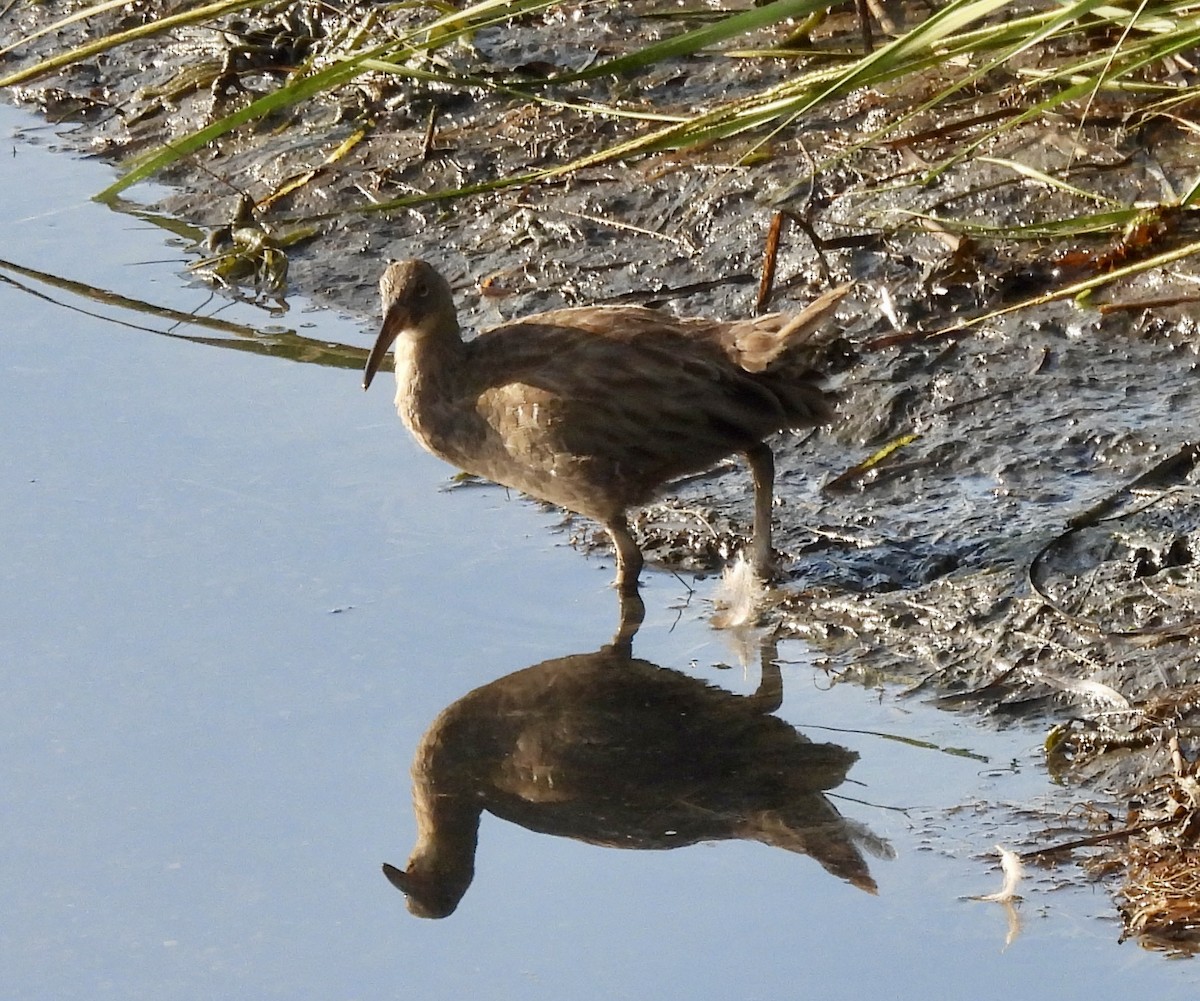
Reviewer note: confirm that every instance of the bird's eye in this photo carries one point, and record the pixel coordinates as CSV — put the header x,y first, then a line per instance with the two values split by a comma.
x,y
421,290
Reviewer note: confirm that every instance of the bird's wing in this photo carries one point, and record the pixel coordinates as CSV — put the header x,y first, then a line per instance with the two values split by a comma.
x,y
624,386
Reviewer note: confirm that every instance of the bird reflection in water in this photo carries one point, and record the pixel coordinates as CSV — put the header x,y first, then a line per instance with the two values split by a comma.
x,y
613,750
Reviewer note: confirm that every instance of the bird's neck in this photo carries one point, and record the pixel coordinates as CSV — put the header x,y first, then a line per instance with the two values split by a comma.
x,y
447,811
447,830
428,365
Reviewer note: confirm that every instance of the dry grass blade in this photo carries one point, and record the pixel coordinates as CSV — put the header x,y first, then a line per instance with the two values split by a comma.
x,y
1041,177
1074,289
198,15
59,25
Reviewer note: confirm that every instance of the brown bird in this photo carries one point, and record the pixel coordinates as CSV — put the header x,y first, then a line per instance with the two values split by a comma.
x,y
613,750
594,408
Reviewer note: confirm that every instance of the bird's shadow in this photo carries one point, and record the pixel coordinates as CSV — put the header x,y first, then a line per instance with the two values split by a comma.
x,y
613,750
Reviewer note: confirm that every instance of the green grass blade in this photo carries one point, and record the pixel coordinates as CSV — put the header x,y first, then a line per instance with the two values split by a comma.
x,y
690,42
319,82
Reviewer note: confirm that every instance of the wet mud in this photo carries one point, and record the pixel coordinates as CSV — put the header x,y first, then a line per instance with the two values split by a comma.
x,y
1027,549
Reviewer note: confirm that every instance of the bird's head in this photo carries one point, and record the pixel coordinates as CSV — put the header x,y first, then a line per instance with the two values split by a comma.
x,y
417,302
430,893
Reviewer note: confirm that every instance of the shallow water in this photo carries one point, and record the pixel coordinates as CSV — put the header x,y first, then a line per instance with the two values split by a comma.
x,y
235,597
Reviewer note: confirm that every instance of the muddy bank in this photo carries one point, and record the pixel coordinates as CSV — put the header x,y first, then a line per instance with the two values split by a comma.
x,y
1012,555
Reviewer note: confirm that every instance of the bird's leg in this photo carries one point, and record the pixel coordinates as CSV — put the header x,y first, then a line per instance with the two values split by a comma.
x,y
629,557
633,611
762,468
768,697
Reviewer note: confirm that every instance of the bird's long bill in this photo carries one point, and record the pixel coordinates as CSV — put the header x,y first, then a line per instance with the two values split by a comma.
x,y
384,341
398,878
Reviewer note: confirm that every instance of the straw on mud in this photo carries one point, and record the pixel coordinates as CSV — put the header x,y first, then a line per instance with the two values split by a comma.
x,y
158,26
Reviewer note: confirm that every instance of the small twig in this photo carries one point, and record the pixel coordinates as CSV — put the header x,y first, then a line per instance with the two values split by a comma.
x,y
949,129
661,295
1164,474
819,245
1162,303
682,242
864,24
1095,839
430,134
766,284
802,221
